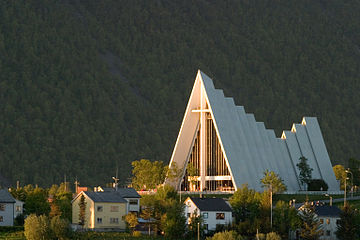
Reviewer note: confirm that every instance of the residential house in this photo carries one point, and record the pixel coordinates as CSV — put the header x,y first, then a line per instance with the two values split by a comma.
x,y
129,194
18,208
6,208
214,211
105,209
329,217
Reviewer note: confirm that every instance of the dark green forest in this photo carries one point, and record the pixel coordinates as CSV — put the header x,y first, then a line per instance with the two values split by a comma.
x,y
89,86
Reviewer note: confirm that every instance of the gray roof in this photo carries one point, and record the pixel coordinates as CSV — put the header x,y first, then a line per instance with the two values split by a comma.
x,y
124,192
113,197
6,197
128,193
327,211
211,204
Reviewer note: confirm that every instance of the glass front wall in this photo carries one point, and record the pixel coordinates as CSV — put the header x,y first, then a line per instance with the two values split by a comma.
x,y
215,164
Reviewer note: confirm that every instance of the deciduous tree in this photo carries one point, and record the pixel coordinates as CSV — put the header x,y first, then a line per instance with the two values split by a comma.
x,y
274,180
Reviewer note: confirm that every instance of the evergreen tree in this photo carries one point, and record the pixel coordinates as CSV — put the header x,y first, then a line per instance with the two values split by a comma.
x,y
82,212
311,227
347,227
304,170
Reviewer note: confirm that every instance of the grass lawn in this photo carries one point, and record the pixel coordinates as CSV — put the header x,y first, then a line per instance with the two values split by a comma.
x,y
12,235
354,203
86,235
302,197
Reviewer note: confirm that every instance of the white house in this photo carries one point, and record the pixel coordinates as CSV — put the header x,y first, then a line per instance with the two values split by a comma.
x,y
6,208
214,211
329,217
18,208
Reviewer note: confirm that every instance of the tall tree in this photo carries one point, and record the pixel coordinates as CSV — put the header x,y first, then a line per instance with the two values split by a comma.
x,y
271,179
82,211
147,175
340,174
347,227
311,227
304,170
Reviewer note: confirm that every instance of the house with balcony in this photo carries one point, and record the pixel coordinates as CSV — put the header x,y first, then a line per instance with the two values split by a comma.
x,y
105,208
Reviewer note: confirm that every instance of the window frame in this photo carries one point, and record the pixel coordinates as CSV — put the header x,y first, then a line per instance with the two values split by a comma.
x,y
220,216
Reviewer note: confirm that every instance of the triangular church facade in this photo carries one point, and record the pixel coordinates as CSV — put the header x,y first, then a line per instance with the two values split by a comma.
x,y
220,146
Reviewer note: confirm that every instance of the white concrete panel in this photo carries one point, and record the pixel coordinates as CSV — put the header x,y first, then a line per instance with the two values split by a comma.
x,y
187,131
254,155
228,136
321,154
306,150
281,161
293,172
270,157
293,148
259,144
241,150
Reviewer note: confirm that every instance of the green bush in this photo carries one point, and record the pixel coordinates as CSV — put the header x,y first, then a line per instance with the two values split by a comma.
x,y
8,229
227,235
273,236
37,227
317,185
137,234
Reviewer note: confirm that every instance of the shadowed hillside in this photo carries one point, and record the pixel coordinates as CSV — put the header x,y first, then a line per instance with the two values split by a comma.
x,y
89,85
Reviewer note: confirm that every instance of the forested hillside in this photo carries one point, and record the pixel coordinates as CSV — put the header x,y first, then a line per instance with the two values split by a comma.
x,y
86,86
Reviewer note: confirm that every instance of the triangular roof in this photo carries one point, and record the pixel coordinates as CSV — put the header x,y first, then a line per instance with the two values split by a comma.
x,y
249,148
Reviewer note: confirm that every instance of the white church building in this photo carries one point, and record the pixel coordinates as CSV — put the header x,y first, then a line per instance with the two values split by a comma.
x,y
220,146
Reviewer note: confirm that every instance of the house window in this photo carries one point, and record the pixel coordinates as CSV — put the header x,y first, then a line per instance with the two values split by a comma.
x,y
1,219
205,215
337,221
206,226
188,215
321,220
328,220
99,208
328,233
18,208
220,215
114,220
114,208
99,220
2,207
133,202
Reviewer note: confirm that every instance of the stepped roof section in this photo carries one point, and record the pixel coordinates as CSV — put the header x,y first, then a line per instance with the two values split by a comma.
x,y
249,148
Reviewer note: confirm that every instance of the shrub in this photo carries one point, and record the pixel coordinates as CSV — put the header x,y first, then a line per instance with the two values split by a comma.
x,y
260,236
227,235
273,236
317,185
137,234
37,227
60,227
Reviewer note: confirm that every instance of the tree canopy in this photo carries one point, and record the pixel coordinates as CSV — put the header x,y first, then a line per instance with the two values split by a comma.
x,y
88,85
273,181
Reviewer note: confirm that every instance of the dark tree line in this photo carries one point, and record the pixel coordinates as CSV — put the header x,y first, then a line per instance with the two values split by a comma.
x,y
86,86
